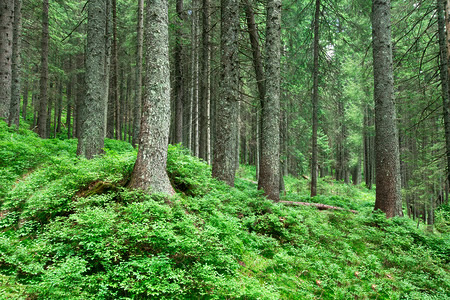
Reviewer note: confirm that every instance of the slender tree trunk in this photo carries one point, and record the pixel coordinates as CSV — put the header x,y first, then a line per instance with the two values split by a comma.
x,y
114,75
58,109
444,46
25,100
315,102
14,112
43,97
138,92
388,192
6,48
149,171
224,162
179,97
92,118
205,95
69,102
269,171
195,78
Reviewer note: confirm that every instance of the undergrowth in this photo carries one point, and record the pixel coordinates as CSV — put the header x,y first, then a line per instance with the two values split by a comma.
x,y
70,229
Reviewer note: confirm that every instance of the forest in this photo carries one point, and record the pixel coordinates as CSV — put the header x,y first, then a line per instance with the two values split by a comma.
x,y
204,149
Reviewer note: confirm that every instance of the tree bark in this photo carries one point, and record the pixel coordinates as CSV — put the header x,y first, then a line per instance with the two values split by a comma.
x,y
138,92
43,84
6,45
14,112
92,118
269,171
179,96
444,46
25,100
225,147
315,102
149,172
205,83
388,192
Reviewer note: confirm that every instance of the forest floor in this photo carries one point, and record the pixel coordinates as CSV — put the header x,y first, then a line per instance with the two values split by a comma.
x,y
70,229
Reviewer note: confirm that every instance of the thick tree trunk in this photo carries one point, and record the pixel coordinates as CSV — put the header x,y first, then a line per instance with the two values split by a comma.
x,y
14,112
205,83
195,78
149,171
315,102
43,98
225,147
388,192
269,167
92,118
6,45
138,91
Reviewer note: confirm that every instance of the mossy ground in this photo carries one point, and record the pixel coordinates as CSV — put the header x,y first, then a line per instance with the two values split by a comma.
x,y
70,229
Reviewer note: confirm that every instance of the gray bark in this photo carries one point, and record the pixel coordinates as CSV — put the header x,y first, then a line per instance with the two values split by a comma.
x,y
269,170
138,92
14,112
444,46
225,147
205,83
149,172
388,192
43,97
315,103
92,118
179,96
25,100
6,42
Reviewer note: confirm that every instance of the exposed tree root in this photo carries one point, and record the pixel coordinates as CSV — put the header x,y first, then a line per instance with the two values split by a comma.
x,y
320,206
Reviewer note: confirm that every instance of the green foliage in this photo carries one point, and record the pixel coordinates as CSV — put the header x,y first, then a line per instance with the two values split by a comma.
x,y
71,230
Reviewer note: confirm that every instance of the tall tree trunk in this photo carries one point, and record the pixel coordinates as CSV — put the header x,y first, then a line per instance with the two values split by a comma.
x,y
14,113
179,97
388,192
138,92
225,147
43,97
315,102
25,100
444,46
195,78
205,95
114,88
58,108
149,171
92,118
269,170
6,45
69,101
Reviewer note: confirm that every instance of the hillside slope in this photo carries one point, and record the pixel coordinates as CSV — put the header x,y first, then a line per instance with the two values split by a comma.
x,y
71,229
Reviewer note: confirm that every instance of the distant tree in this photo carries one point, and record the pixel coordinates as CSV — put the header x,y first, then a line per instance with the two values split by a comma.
x,y
138,87
179,82
14,112
269,170
6,44
225,147
205,84
387,160
149,172
92,110
43,83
